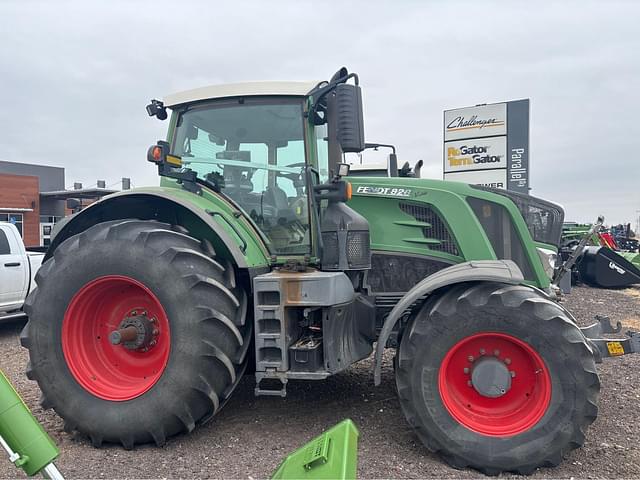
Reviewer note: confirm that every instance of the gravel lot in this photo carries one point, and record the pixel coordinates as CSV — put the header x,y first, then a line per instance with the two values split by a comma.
x,y
251,435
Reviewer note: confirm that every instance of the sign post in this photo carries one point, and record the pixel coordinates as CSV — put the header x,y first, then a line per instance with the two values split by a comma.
x,y
488,145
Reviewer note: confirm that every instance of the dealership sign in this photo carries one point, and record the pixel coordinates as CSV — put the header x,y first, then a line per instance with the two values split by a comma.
x,y
488,145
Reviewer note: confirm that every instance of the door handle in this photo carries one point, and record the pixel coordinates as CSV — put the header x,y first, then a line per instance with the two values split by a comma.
x,y
12,264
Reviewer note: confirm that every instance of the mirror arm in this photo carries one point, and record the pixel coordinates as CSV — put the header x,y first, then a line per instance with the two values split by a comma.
x,y
393,158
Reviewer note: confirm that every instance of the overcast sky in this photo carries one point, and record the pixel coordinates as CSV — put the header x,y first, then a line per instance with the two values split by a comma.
x,y
75,78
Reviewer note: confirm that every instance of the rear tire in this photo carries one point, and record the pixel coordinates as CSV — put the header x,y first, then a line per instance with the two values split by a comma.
x,y
535,417
141,270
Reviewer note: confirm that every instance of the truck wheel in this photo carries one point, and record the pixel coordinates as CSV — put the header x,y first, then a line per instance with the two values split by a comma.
x,y
496,377
135,332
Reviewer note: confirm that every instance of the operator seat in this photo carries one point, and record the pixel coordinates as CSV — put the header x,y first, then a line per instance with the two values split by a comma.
x,y
237,185
277,198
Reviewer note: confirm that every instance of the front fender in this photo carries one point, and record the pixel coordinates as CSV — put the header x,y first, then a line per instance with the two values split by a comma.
x,y
504,271
205,216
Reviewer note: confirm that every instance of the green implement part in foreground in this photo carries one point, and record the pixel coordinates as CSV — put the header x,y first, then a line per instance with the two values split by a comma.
x,y
22,433
332,455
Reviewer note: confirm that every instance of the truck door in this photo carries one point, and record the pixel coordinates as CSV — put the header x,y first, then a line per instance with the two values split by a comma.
x,y
13,271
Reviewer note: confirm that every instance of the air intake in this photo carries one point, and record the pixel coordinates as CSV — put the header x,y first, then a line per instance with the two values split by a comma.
x,y
435,233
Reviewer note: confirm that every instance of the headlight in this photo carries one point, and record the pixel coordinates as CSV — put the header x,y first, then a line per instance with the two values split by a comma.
x,y
548,259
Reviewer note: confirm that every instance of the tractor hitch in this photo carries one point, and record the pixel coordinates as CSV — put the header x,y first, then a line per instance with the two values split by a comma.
x,y
610,347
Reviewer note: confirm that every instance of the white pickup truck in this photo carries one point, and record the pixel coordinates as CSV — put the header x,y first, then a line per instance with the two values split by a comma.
x,y
18,269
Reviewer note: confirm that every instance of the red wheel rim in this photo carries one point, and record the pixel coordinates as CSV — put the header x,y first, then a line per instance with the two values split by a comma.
x,y
518,409
113,372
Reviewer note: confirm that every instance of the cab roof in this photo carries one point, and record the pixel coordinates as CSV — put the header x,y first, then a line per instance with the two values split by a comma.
x,y
298,89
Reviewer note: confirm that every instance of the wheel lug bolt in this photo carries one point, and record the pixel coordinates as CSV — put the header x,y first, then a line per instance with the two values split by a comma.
x,y
133,313
470,383
507,361
496,353
155,331
153,342
482,351
470,358
465,370
513,374
144,313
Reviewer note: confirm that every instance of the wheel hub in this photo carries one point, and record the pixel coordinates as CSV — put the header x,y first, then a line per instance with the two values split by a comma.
x,y
136,332
490,377
116,338
494,384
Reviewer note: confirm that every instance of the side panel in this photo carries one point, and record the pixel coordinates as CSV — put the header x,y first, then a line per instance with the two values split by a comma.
x,y
433,218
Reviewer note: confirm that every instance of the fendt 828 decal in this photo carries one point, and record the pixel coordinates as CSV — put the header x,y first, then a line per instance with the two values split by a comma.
x,y
387,191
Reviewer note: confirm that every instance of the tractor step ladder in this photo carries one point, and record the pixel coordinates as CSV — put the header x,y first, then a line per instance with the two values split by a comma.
x,y
280,299
269,379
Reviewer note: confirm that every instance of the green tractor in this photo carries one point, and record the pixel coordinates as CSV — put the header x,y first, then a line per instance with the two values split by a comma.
x,y
259,254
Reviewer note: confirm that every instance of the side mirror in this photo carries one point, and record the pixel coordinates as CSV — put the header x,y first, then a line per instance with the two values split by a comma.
x,y
349,118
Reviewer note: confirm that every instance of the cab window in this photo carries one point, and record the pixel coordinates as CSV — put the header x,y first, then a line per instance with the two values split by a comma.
x,y
255,151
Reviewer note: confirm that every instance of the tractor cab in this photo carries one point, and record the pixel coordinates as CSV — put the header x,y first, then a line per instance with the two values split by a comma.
x,y
273,149
253,150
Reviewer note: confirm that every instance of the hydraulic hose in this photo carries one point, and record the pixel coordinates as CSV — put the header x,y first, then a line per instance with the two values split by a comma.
x,y
29,447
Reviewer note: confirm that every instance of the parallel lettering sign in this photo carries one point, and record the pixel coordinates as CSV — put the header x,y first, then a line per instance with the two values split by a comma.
x,y
518,146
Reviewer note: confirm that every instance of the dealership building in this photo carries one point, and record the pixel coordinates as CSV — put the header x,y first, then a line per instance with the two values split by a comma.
x,y
34,198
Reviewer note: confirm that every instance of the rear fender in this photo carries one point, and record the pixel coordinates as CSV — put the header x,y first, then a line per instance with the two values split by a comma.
x,y
505,271
164,205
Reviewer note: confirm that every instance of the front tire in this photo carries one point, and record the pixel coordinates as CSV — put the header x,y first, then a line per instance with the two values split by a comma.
x,y
189,342
497,378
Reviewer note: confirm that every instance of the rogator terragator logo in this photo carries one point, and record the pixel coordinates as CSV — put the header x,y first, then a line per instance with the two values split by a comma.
x,y
472,123
466,155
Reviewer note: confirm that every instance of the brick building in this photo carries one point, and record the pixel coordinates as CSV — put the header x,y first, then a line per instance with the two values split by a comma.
x,y
20,201
34,198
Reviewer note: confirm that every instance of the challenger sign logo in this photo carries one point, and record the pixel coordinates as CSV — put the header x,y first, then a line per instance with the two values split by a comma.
x,y
474,122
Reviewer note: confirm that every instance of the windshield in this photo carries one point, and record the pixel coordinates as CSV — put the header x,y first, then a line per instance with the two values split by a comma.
x,y
257,148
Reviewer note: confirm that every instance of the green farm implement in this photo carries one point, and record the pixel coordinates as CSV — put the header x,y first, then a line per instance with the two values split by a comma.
x,y
22,438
